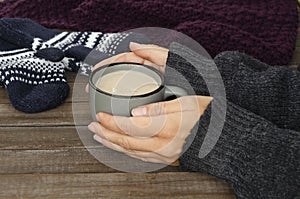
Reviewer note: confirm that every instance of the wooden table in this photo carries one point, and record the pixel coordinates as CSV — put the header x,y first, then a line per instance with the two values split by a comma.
x,y
41,156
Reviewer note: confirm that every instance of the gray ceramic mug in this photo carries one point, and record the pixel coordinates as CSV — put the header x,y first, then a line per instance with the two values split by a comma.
x,y
101,101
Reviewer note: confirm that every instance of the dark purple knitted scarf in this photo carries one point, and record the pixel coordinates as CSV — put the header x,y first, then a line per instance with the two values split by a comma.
x,y
265,29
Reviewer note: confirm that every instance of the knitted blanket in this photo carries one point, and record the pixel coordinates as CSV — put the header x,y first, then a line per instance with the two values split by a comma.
x,y
265,29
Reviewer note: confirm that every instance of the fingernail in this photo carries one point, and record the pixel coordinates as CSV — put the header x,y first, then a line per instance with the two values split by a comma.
x,y
141,111
97,138
135,46
92,127
98,116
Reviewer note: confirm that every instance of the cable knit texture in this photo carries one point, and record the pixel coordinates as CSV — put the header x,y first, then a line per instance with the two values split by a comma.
x,y
265,29
271,92
257,157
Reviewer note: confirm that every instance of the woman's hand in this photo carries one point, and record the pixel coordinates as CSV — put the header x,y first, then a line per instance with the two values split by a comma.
x,y
147,54
156,132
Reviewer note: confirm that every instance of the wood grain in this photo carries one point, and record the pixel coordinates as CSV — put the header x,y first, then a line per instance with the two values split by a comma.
x,y
50,161
42,138
60,116
114,186
42,156
52,150
68,160
71,77
3,96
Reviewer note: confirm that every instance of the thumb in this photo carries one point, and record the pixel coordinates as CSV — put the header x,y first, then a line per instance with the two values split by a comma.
x,y
183,104
158,108
155,54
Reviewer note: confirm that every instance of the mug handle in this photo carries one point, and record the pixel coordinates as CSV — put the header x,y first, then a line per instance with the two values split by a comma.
x,y
174,91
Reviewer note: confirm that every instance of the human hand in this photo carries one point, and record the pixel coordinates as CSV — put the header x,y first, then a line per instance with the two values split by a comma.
x,y
156,132
147,54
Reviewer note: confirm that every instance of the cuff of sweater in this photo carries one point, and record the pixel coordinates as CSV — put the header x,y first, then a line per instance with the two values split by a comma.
x,y
238,135
201,71
251,153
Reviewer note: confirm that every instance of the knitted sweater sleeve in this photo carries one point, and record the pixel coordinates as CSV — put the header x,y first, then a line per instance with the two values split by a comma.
x,y
259,159
268,91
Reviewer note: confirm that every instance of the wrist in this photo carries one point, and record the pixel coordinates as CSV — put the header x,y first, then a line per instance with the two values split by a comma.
x,y
203,103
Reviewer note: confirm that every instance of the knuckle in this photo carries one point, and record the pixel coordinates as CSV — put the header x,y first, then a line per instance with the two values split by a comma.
x,y
127,56
126,127
123,142
105,118
158,109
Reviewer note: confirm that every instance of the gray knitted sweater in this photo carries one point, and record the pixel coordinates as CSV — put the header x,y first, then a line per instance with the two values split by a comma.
x,y
258,150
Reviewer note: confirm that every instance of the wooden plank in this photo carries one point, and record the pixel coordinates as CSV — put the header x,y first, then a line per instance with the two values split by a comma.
x,y
71,77
60,116
51,150
58,160
77,84
77,92
42,138
114,186
3,96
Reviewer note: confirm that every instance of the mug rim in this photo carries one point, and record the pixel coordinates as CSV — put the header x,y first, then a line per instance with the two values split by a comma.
x,y
125,96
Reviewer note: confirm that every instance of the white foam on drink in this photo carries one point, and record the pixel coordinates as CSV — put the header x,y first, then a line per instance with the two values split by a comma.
x,y
127,83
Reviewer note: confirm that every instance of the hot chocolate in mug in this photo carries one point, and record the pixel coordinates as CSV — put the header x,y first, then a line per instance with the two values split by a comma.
x,y
118,88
